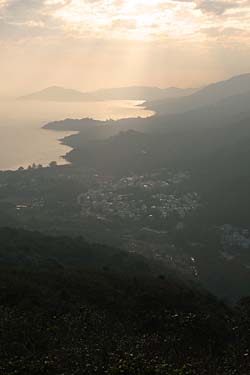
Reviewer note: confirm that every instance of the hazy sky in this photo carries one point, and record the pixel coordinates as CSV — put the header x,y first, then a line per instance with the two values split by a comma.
x,y
88,44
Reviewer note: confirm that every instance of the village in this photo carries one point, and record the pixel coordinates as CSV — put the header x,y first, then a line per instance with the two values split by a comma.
x,y
138,197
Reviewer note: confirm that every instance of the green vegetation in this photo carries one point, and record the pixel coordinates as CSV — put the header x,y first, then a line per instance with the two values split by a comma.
x,y
114,264
54,201
71,314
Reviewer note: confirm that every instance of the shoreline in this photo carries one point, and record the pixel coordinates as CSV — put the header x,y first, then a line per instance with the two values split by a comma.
x,y
87,125
65,140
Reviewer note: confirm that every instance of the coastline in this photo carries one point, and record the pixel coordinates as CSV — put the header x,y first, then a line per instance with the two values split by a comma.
x,y
90,129
22,129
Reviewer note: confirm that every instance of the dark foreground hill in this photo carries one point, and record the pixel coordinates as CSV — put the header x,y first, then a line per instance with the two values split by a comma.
x,y
64,318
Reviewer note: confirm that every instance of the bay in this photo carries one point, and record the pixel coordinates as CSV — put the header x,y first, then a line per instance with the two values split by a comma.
x,y
23,141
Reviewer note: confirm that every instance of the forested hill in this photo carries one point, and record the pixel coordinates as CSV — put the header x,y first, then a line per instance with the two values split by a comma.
x,y
34,254
29,250
60,318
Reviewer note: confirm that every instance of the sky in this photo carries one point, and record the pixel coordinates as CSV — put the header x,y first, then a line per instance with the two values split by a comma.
x,y
90,44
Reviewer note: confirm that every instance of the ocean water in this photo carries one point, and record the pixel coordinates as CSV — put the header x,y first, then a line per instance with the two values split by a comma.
x,y
23,141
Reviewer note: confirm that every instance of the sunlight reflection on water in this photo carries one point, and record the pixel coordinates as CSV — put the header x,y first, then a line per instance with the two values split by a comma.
x,y
23,141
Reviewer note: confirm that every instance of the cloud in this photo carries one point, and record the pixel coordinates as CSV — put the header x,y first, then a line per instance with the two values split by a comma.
x,y
123,19
219,7
93,43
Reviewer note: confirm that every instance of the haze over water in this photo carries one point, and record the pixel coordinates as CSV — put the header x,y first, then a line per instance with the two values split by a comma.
x,y
24,142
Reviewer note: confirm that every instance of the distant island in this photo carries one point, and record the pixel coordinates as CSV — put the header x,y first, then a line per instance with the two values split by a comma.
x,y
61,94
55,93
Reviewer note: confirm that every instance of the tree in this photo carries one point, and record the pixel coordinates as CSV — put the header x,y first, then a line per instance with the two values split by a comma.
x,y
53,164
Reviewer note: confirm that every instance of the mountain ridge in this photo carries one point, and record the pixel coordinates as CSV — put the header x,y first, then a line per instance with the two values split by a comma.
x,y
206,96
58,93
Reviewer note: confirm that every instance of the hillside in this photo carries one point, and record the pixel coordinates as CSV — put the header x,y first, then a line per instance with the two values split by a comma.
x,y
141,92
61,319
26,250
205,97
57,94
212,144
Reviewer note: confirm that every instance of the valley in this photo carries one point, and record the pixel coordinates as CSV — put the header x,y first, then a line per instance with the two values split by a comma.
x,y
124,187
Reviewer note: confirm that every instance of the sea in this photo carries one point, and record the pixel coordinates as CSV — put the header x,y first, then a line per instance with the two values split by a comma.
x,y
23,141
